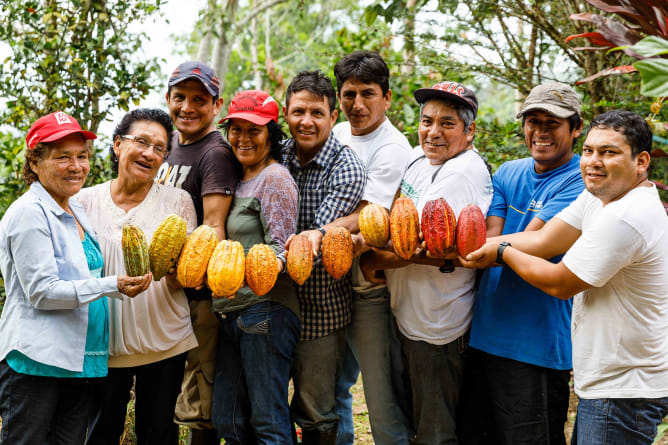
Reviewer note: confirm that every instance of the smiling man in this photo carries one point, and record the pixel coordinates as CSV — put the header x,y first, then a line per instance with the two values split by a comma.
x,y
202,163
331,180
615,240
520,337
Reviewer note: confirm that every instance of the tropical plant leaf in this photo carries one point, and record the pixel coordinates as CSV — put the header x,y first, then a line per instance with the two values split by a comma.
x,y
654,74
651,46
594,37
624,69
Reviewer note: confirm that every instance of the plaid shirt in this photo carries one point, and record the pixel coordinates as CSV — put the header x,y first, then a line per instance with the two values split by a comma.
x,y
330,186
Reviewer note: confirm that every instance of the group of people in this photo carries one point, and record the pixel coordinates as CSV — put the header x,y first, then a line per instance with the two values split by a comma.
x,y
447,355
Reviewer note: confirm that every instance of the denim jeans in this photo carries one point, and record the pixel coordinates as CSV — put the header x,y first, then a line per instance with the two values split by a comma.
x,y
373,343
253,360
317,363
618,421
43,410
436,373
157,386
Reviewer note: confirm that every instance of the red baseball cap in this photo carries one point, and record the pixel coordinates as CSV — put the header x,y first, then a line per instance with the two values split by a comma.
x,y
54,126
254,106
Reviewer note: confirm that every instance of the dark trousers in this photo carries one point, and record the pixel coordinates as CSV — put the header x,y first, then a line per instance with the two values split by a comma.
x,y
512,403
43,410
435,373
156,387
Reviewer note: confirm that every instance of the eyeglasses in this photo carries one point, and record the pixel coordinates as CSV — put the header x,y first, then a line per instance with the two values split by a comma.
x,y
159,149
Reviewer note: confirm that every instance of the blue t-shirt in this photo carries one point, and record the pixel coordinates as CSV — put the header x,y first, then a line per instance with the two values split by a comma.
x,y
511,318
96,353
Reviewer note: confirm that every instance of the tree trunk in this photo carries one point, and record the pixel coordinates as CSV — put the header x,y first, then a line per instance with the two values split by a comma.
x,y
222,48
209,23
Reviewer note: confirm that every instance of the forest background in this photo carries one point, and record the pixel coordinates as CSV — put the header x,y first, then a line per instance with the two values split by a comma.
x,y
90,58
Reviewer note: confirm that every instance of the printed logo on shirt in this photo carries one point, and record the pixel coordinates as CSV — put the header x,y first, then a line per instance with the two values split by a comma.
x,y
535,206
408,191
172,175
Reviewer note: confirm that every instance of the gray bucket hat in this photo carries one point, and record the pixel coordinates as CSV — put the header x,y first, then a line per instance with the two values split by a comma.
x,y
556,98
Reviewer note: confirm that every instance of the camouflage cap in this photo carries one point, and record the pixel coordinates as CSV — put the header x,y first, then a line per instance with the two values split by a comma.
x,y
556,98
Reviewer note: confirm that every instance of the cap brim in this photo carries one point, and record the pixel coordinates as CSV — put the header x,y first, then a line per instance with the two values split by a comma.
x,y
254,118
61,134
424,94
177,80
557,111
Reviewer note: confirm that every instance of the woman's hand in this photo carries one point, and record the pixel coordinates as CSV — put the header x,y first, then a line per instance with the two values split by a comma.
x,y
133,286
172,281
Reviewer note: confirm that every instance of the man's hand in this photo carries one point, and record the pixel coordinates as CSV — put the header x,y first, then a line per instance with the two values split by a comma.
x,y
483,257
133,286
172,281
359,245
314,237
371,274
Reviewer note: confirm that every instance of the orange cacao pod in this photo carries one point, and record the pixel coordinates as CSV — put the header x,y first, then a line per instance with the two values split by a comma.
x,y
438,227
135,251
299,259
226,270
337,252
471,230
195,256
404,228
375,225
261,269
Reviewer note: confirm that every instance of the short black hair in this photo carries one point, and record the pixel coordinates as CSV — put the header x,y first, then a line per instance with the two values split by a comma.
x,y
276,135
574,122
140,114
367,66
316,83
633,126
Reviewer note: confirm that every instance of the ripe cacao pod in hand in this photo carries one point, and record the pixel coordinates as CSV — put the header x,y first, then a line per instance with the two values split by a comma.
x,y
404,228
374,225
337,252
438,227
299,259
195,256
135,251
471,230
261,269
226,270
166,245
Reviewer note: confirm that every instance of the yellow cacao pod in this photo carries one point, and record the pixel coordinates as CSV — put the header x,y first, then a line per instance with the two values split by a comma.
x,y
374,225
225,273
135,251
166,245
195,256
404,228
261,269
337,252
299,259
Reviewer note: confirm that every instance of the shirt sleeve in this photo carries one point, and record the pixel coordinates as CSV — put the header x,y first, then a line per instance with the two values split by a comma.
x,y
31,247
597,256
384,174
499,206
570,190
219,172
345,188
278,198
573,214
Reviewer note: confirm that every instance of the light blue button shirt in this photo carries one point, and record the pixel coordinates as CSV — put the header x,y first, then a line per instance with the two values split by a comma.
x,y
47,281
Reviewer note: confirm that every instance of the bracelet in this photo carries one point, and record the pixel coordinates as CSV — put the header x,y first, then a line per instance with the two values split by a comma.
x,y
321,230
499,252
447,267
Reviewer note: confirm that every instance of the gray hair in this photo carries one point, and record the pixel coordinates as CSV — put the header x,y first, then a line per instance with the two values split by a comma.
x,y
465,113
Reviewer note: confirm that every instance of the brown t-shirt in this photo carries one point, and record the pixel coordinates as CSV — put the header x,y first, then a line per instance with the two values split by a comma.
x,y
202,168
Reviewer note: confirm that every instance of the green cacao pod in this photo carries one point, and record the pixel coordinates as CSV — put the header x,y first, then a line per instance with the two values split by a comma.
x,y
166,244
135,251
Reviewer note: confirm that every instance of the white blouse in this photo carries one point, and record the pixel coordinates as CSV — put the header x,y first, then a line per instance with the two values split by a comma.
x,y
155,325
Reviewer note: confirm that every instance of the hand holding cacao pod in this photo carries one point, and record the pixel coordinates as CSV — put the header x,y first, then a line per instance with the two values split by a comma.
x,y
299,258
404,228
471,230
337,252
133,286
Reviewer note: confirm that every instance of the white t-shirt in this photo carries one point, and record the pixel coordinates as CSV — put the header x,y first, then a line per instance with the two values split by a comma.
x,y
385,153
155,325
431,306
619,326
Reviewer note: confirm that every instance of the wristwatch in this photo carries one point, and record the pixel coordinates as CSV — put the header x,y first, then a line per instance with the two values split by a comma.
x,y
321,230
499,252
447,267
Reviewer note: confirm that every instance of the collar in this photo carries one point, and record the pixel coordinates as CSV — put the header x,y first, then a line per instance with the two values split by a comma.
x,y
46,199
322,159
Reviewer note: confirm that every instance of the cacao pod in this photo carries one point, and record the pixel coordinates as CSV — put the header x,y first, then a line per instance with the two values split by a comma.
x,y
404,228
226,270
471,230
195,256
167,242
299,259
135,251
375,225
337,252
438,227
261,269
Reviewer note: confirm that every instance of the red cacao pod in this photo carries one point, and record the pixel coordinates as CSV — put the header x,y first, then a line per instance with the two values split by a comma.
x,y
404,228
337,252
471,230
438,227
